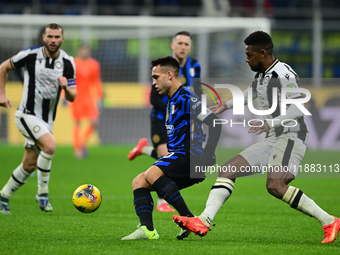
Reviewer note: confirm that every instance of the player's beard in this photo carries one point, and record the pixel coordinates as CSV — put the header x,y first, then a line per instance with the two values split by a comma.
x,y
52,52
257,68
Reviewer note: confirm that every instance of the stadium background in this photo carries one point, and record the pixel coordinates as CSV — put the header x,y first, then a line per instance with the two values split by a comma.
x,y
306,36
305,33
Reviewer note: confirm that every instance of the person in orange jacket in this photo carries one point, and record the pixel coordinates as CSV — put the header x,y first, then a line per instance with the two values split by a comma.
x,y
90,94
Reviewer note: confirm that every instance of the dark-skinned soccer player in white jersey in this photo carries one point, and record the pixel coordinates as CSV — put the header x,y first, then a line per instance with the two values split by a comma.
x,y
281,151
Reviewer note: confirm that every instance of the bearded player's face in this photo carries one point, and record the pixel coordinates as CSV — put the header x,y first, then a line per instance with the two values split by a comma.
x,y
53,39
254,58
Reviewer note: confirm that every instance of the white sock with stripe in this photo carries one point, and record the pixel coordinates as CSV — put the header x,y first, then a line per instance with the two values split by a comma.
x,y
147,150
44,167
17,179
298,200
219,193
160,201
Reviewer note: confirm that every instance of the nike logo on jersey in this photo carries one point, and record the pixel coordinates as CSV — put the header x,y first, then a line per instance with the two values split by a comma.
x,y
287,76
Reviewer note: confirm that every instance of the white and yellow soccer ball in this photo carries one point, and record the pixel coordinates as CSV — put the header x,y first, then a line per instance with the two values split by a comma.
x,y
87,198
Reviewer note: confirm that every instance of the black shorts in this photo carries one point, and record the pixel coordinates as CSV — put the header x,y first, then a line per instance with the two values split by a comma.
x,y
176,166
158,132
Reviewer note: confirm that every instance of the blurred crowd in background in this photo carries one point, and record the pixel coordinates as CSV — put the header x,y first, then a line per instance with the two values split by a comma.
x,y
295,24
306,34
246,8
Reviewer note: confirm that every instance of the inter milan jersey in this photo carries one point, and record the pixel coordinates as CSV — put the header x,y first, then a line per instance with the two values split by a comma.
x,y
184,130
41,87
191,69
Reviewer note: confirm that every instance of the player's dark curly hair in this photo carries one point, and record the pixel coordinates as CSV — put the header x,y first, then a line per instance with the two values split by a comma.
x,y
169,63
260,39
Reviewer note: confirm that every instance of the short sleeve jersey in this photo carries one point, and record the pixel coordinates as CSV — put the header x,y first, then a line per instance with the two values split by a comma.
x,y
41,87
191,69
278,75
183,127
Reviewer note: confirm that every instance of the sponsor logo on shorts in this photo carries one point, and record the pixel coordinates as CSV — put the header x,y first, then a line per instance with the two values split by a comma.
x,y
36,129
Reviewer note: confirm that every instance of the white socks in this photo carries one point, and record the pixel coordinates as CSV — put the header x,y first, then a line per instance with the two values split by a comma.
x,y
17,179
44,167
20,176
219,193
147,150
160,201
223,188
298,200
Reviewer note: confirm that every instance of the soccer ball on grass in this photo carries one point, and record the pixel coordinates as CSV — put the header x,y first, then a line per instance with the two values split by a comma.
x,y
87,198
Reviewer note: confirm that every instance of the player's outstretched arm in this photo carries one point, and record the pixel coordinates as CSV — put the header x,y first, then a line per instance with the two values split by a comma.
x,y
292,113
217,109
258,127
70,92
5,67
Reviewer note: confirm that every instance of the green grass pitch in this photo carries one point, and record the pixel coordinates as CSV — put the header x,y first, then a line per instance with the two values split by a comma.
x,y
251,221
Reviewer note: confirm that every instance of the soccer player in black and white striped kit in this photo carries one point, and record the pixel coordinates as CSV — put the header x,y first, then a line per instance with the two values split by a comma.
x,y
48,70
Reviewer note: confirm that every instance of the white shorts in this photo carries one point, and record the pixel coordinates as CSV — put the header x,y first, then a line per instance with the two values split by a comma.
x,y
31,127
286,150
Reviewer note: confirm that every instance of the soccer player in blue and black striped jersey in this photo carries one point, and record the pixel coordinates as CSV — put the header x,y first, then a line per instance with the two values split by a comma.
x,y
189,68
171,173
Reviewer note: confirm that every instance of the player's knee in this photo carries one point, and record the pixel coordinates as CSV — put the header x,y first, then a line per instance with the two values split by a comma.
x,y
274,187
138,181
134,182
47,144
271,188
49,148
147,176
